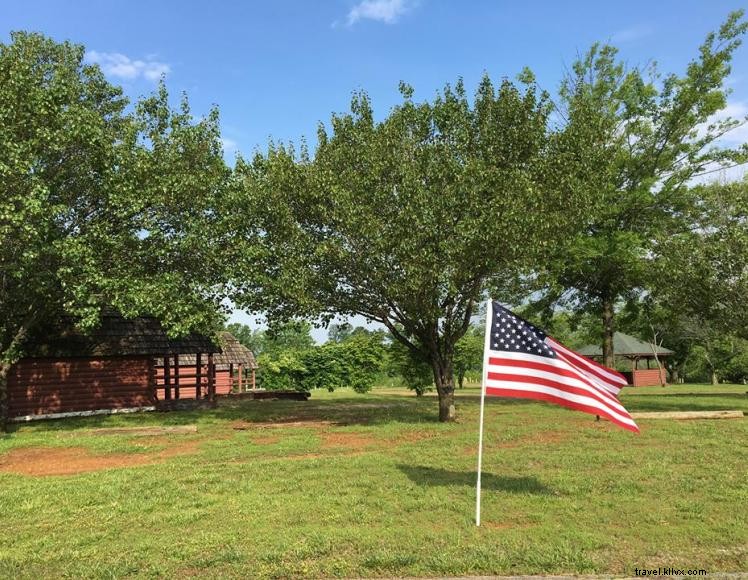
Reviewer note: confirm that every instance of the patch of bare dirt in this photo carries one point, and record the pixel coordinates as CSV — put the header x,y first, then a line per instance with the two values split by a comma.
x,y
504,525
414,436
348,440
146,431
269,440
303,456
46,461
311,424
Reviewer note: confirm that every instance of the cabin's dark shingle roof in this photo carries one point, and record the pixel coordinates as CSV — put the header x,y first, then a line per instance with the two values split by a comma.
x,y
115,336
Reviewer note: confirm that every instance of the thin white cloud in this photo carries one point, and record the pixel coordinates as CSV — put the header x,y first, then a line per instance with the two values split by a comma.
x,y
119,65
229,145
631,34
715,173
734,111
386,11
739,111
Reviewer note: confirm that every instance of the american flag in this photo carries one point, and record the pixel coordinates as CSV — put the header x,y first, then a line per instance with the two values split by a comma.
x,y
521,361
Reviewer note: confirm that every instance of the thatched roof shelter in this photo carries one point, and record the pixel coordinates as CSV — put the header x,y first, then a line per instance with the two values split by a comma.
x,y
232,352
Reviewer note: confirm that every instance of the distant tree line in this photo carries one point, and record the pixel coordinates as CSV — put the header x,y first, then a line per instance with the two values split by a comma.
x,y
355,357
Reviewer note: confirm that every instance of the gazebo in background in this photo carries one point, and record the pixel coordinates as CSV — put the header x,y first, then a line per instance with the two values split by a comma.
x,y
186,376
636,351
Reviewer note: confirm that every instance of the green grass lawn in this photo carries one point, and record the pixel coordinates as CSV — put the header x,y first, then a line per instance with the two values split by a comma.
x,y
373,485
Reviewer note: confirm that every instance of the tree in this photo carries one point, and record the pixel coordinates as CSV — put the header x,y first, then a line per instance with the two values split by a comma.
x,y
718,357
282,371
354,363
253,339
665,325
339,332
416,372
707,259
651,136
290,336
469,353
409,221
99,207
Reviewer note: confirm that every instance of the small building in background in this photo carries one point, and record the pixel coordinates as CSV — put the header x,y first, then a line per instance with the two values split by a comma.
x,y
177,376
110,369
643,356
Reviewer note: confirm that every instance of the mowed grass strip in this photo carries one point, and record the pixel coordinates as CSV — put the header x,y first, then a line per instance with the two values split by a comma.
x,y
373,485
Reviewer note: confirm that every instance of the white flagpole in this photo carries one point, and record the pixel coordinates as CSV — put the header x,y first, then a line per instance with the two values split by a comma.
x,y
486,347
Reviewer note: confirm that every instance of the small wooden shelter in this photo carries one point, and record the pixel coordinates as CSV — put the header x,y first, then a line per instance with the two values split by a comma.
x,y
636,351
184,376
111,369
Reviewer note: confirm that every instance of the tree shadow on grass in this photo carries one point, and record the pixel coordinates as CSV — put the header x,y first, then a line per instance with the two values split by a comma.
x,y
340,412
664,393
678,402
431,476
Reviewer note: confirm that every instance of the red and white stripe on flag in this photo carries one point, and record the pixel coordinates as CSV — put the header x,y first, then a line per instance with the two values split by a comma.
x,y
554,374
609,379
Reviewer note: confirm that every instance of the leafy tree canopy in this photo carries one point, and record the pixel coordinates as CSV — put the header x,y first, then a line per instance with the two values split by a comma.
x,y
707,259
100,206
652,134
408,221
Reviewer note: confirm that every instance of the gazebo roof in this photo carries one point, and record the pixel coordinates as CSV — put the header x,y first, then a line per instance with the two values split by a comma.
x,y
626,345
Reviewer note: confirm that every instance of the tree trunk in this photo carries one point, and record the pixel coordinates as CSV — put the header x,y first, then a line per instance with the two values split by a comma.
x,y
681,370
461,378
608,354
715,378
4,371
9,356
445,387
675,374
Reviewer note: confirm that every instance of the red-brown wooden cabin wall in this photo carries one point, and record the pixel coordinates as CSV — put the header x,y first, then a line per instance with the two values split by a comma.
x,y
187,378
44,386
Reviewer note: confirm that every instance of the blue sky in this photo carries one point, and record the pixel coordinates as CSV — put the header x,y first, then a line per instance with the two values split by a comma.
x,y
278,68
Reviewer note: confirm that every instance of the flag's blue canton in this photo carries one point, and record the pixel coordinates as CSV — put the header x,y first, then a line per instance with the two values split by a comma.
x,y
510,333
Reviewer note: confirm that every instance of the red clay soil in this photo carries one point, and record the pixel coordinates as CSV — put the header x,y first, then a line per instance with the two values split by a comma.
x,y
349,441
44,461
250,426
269,440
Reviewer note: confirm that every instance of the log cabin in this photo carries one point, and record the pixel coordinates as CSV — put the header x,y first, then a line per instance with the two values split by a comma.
x,y
110,369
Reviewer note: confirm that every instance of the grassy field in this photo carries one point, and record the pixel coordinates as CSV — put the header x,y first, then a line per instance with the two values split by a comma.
x,y
372,485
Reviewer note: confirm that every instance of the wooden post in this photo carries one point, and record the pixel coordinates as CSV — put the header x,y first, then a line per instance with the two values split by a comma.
x,y
176,376
253,379
198,374
240,378
152,382
231,377
211,378
167,378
